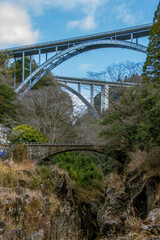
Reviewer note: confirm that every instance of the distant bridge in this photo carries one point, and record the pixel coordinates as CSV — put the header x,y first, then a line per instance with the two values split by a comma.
x,y
65,49
39,152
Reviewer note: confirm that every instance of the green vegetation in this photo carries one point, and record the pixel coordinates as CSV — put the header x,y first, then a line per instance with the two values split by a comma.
x,y
7,109
148,133
47,80
134,122
44,176
79,166
152,65
3,62
27,133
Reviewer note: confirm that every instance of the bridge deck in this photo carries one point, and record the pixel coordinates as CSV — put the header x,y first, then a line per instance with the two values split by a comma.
x,y
86,81
121,34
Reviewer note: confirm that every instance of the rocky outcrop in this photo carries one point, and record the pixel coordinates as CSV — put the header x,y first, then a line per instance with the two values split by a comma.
x,y
54,209
36,214
136,199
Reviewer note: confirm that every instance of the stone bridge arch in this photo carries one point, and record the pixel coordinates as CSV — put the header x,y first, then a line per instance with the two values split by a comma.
x,y
38,152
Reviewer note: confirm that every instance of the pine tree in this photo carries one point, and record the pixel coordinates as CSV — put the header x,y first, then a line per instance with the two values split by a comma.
x,y
151,67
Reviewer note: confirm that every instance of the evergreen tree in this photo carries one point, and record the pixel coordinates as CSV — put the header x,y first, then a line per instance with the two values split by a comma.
x,y
152,65
7,108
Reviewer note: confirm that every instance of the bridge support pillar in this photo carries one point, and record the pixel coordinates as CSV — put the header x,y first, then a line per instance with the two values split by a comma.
x,y
136,40
30,64
39,57
15,74
79,88
104,97
131,37
92,95
23,63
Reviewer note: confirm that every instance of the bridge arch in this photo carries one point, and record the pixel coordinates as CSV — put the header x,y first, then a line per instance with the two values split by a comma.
x,y
37,152
83,99
71,150
68,53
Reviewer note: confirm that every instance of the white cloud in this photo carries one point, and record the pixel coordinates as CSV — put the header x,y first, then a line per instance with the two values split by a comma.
x,y
15,26
85,66
87,7
86,23
123,12
38,5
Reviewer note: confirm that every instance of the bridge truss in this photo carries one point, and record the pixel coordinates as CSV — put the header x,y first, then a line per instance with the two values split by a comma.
x,y
65,49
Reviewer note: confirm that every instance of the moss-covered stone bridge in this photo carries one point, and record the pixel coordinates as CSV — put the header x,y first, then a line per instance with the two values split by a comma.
x,y
38,152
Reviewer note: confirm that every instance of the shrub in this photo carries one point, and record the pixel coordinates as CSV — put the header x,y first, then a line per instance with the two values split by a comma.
x,y
153,157
27,133
80,167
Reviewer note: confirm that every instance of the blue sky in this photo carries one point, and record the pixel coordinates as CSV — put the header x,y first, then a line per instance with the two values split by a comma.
x,y
32,21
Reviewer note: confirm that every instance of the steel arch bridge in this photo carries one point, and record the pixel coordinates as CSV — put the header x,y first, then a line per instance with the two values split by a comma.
x,y
66,49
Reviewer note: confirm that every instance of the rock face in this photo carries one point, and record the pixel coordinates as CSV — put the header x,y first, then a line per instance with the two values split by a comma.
x,y
26,214
29,212
136,199
154,215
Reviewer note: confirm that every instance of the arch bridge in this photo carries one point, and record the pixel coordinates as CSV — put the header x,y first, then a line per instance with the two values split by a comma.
x,y
65,49
38,152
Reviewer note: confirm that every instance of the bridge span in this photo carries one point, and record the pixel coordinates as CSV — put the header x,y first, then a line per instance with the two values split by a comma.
x,y
62,50
38,152
124,34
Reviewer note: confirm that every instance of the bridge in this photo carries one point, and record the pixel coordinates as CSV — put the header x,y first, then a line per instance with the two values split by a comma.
x,y
91,83
65,49
38,152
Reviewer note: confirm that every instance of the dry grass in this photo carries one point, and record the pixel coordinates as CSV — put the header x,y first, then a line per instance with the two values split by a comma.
x,y
116,181
24,165
153,162
133,229
137,160
12,172
149,162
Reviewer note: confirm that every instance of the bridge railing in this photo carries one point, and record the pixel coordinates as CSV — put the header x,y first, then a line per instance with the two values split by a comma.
x,y
60,144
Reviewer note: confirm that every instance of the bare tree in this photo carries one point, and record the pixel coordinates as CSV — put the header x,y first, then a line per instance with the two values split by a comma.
x,y
118,72
122,72
50,111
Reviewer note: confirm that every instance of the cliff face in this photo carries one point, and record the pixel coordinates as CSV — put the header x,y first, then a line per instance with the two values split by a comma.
x,y
125,212
39,205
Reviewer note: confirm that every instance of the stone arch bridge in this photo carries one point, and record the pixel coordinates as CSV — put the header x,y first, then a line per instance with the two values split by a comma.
x,y
38,152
